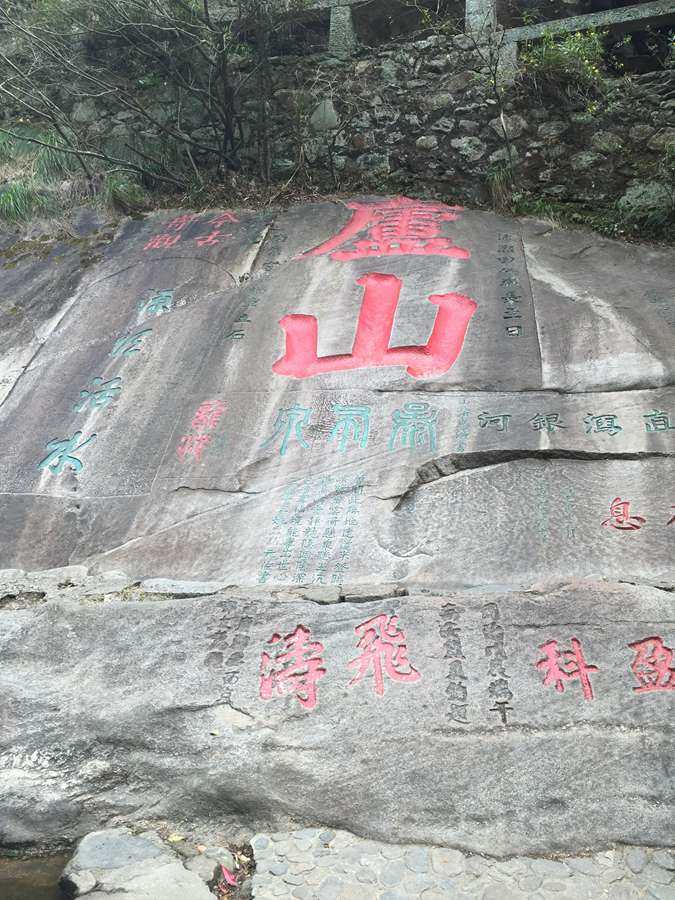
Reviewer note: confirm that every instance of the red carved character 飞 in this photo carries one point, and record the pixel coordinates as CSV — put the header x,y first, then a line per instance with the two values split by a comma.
x,y
383,647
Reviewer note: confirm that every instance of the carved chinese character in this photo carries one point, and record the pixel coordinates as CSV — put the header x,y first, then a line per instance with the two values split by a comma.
x,y
653,666
130,343
657,420
559,667
499,423
193,445
289,423
162,241
599,424
549,422
672,521
158,303
393,228
61,454
371,343
353,423
293,666
383,647
208,415
620,517
106,393
181,222
415,425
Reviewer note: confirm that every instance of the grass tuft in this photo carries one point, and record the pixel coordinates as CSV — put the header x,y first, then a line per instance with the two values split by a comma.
x,y
22,200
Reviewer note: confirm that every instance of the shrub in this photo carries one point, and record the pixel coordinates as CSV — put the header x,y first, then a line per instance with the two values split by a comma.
x,y
570,66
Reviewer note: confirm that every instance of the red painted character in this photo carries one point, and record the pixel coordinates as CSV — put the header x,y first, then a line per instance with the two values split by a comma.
x,y
653,666
193,445
562,666
383,646
161,241
620,517
393,228
293,667
216,234
371,343
208,415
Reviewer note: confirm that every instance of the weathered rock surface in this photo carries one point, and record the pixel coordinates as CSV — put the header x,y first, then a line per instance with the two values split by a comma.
x,y
229,523
153,708
136,867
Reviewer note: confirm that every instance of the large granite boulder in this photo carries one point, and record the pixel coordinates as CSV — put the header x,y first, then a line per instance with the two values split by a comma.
x,y
369,510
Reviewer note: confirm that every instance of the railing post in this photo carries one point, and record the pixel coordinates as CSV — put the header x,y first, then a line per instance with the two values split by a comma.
x,y
342,36
480,14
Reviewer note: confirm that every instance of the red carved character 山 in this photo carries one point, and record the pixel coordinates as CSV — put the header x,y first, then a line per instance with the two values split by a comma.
x,y
393,228
293,666
371,343
653,666
563,666
383,646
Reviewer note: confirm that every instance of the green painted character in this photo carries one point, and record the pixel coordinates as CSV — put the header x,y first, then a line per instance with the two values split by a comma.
x,y
108,391
602,424
353,423
130,343
61,454
158,303
657,420
415,425
289,423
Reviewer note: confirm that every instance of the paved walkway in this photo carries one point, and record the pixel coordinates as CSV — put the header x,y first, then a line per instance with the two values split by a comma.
x,y
315,864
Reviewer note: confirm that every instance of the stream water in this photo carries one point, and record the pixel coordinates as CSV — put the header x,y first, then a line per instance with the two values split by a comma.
x,y
31,879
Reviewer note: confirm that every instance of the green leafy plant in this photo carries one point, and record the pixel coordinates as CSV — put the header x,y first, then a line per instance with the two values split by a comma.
x,y
569,66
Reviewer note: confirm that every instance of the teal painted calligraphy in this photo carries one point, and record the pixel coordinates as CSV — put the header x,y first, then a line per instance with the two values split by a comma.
x,y
61,454
353,423
657,420
602,424
289,423
158,303
415,425
130,343
107,392
500,422
548,422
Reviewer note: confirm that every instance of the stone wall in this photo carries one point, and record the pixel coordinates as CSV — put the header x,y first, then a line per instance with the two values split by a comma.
x,y
419,116
421,112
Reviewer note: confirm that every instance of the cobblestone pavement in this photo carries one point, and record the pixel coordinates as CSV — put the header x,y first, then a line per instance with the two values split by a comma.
x,y
334,865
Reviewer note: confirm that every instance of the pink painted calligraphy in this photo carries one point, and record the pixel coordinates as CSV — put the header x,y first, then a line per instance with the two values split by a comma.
x,y
620,517
292,666
383,647
653,666
393,228
205,419
371,343
559,667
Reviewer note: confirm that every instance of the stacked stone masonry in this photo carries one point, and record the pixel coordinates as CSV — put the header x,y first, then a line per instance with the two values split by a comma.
x,y
315,864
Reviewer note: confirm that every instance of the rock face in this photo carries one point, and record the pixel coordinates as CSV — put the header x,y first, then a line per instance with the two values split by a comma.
x,y
368,510
138,867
